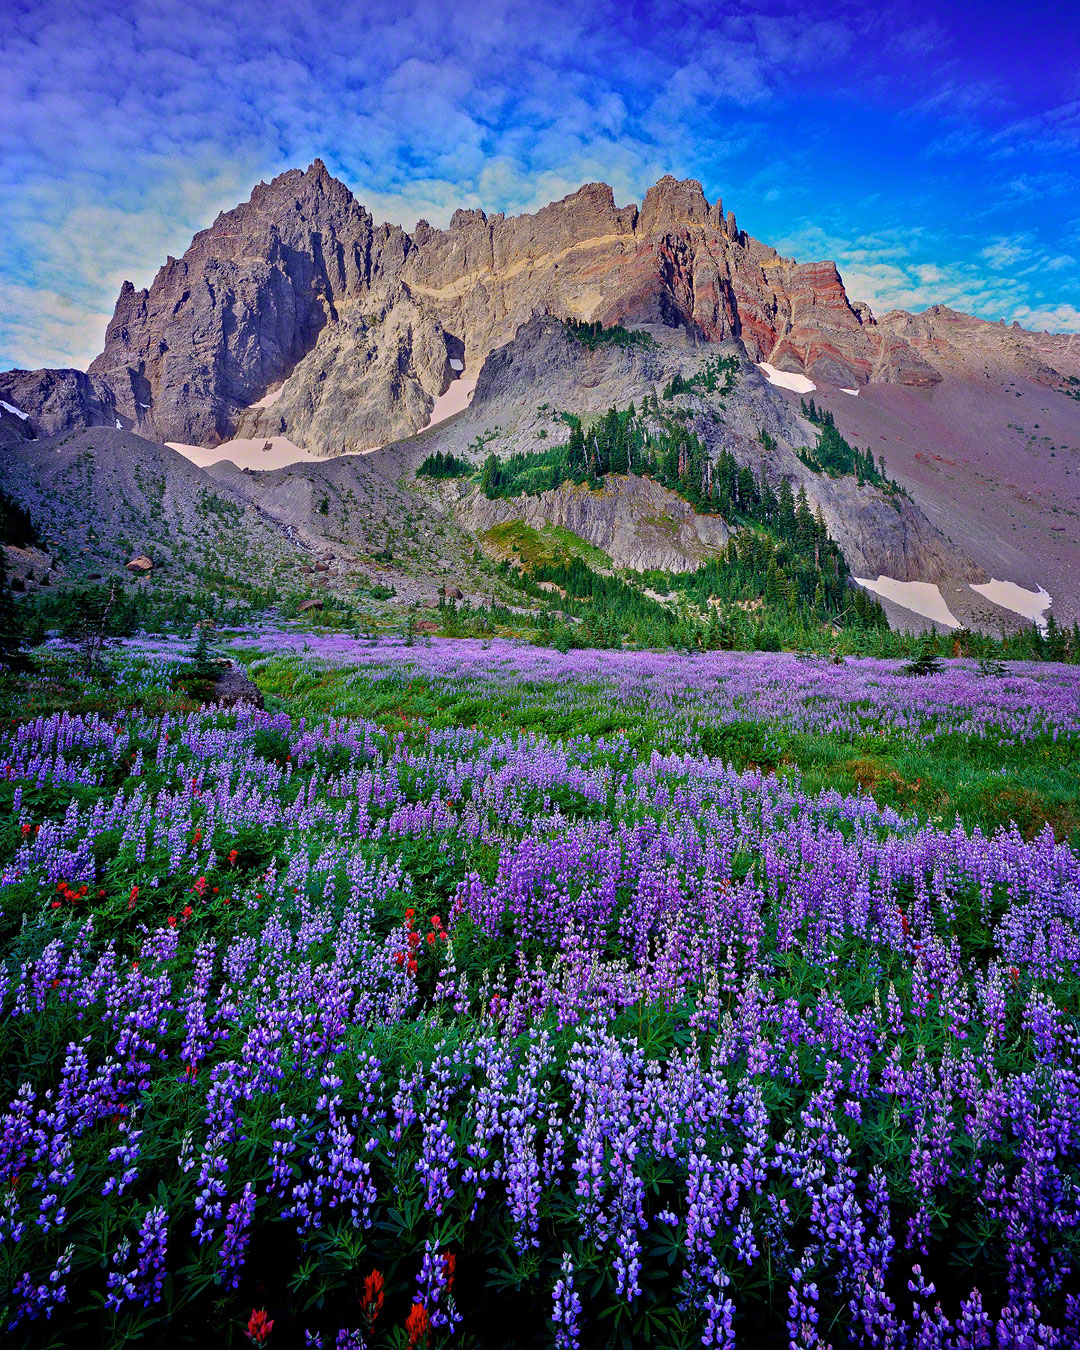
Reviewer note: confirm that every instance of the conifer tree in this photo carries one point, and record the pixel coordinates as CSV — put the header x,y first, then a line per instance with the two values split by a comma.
x,y
12,641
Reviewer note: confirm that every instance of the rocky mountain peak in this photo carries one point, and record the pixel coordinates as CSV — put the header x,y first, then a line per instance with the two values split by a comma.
x,y
671,203
217,327
298,283
463,219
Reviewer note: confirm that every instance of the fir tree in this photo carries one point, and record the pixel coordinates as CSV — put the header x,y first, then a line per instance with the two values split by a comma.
x,y
926,660
12,636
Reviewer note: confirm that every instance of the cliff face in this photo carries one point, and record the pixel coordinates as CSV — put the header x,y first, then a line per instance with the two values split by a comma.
x,y
296,315
636,522
50,402
299,285
959,344
246,302
678,261
639,524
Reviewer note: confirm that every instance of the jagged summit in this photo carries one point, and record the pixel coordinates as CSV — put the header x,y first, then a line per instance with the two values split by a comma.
x,y
299,284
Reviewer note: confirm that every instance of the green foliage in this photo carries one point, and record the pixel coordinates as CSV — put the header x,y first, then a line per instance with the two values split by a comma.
x,y
835,457
707,379
985,781
12,628
70,609
386,553
202,659
439,465
593,335
549,544
16,526
210,504
926,660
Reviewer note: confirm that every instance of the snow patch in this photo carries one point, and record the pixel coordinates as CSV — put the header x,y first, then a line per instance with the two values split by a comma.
x,y
268,400
252,453
1029,604
118,426
921,597
17,412
455,364
786,379
455,400
853,392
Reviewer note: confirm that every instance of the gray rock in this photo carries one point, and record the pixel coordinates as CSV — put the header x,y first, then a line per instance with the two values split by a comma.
x,y
232,686
248,300
637,523
55,401
102,497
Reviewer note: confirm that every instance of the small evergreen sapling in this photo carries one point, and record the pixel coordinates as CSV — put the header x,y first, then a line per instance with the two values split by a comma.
x,y
926,660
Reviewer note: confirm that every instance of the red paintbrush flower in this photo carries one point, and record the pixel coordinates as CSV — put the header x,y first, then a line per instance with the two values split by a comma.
x,y
416,1327
259,1327
371,1300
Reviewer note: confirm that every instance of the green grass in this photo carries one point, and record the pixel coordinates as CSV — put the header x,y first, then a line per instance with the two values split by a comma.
x,y
550,545
979,779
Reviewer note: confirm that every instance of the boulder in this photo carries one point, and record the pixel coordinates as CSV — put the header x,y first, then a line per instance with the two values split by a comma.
x,y
314,603
140,565
232,686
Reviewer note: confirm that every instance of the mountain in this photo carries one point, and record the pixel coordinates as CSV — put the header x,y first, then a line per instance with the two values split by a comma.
x,y
100,497
299,281
296,318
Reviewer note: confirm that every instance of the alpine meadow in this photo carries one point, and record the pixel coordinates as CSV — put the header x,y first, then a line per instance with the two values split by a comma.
x,y
539,732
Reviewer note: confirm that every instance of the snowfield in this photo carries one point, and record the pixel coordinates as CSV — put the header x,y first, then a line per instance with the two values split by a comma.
x,y
787,379
250,453
1031,604
921,597
456,399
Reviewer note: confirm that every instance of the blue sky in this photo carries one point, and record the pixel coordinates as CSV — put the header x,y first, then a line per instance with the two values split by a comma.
x,y
934,153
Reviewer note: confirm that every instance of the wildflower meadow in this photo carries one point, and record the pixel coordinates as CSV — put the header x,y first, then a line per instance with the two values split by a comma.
x,y
476,995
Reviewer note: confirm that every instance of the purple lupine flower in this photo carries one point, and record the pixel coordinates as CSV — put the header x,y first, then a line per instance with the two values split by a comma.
x,y
566,1308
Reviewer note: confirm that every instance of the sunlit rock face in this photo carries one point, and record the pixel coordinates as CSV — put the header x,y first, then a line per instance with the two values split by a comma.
x,y
363,321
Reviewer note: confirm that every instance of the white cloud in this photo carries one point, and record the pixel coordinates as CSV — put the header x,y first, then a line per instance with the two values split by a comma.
x,y
1064,318
1006,252
890,271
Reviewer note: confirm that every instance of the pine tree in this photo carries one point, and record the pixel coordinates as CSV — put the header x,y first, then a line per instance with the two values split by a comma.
x,y
926,660
786,522
489,476
12,639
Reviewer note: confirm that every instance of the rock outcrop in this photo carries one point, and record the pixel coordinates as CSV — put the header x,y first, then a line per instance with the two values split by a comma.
x,y
102,499
959,344
54,401
29,568
247,301
371,378
232,686
636,522
296,316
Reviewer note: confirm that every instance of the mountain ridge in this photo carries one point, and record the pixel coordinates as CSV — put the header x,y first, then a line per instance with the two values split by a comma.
x,y
295,316
303,265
